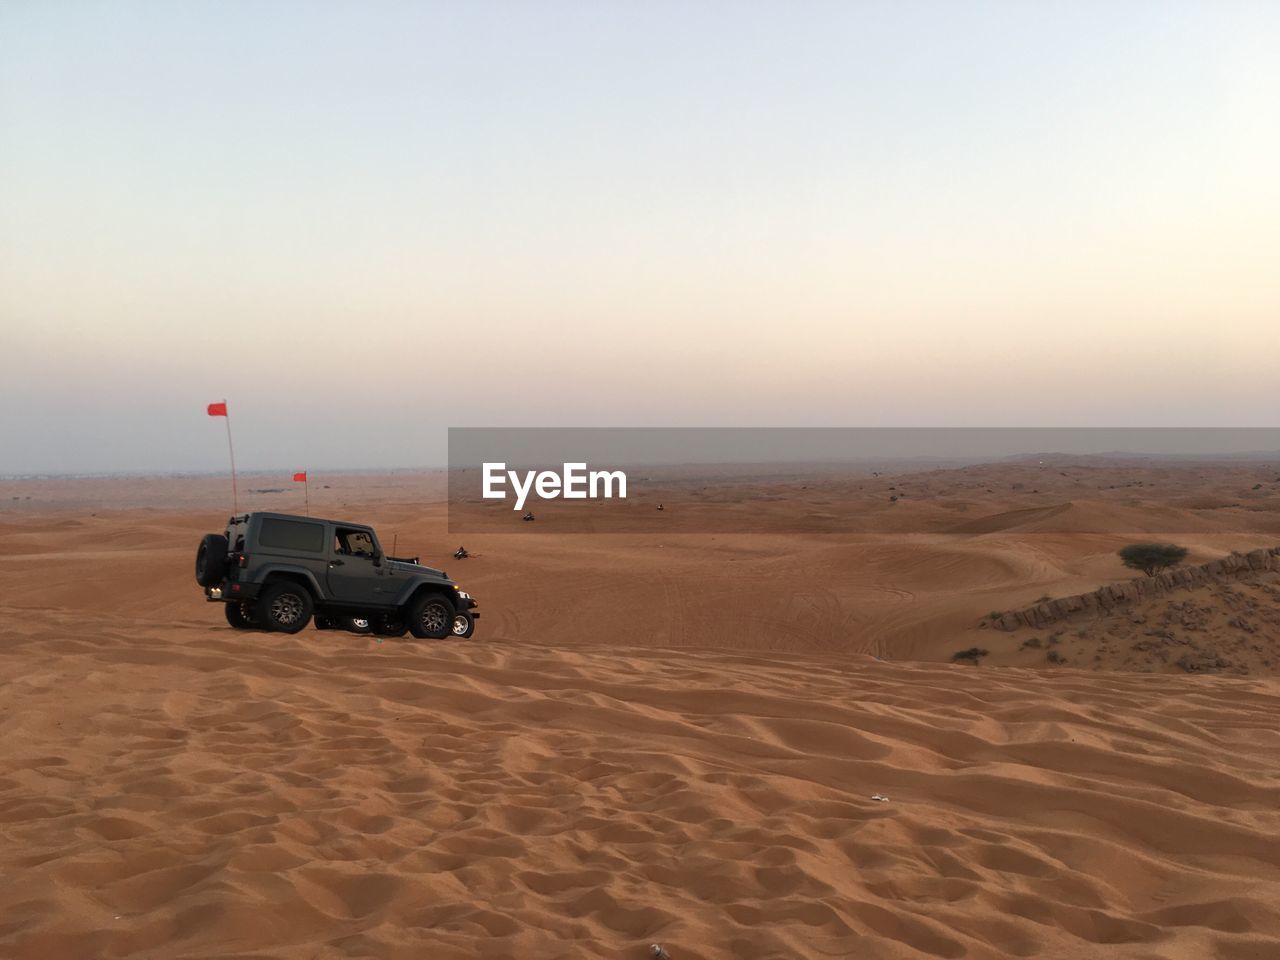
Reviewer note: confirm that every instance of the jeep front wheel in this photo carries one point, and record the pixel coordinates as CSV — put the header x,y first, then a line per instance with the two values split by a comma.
x,y
430,617
285,607
464,625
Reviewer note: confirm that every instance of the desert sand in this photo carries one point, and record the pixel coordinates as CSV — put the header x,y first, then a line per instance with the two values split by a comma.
x,y
670,737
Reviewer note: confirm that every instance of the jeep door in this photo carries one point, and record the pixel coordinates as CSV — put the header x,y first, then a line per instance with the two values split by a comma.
x,y
351,576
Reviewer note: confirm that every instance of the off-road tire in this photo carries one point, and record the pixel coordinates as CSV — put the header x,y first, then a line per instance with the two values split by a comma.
x,y
240,615
430,617
285,607
211,560
464,625
385,626
360,625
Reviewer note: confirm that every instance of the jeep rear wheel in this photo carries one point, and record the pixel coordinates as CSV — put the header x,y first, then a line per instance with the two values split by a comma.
x,y
285,607
211,560
240,615
386,626
430,617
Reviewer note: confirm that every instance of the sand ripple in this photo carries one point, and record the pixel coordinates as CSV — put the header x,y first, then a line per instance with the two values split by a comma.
x,y
188,792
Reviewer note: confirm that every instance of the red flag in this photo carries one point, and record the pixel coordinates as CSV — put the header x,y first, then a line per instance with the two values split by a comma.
x,y
218,409
300,477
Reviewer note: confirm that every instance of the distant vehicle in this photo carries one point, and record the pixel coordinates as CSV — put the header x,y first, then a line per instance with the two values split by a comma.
x,y
275,571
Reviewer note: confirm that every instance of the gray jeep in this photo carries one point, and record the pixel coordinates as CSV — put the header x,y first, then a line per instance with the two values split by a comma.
x,y
274,571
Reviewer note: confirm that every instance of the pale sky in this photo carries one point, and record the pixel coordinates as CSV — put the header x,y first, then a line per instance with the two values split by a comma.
x,y
362,223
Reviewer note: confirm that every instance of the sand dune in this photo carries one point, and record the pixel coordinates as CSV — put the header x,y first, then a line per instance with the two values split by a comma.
x,y
194,793
665,737
1229,626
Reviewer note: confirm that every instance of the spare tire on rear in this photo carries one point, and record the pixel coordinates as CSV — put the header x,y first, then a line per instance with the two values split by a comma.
x,y
211,560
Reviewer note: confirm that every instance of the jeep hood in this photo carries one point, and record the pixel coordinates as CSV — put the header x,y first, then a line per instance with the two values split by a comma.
x,y
399,566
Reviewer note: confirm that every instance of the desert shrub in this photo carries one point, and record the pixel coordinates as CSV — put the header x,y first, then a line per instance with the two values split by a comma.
x,y
1032,642
1151,558
972,655
1053,656
995,614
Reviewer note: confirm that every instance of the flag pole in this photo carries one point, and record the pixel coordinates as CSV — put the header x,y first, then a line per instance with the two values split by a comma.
x,y
306,490
235,498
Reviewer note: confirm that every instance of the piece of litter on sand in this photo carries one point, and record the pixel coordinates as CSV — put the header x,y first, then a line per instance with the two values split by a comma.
x,y
880,797
658,952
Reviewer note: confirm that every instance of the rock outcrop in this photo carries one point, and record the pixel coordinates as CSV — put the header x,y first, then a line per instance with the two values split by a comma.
x,y
1108,598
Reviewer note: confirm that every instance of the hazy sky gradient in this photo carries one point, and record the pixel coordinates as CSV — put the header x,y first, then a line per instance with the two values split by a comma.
x,y
363,222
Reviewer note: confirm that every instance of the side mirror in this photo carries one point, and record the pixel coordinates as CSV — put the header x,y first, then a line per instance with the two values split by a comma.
x,y
377,558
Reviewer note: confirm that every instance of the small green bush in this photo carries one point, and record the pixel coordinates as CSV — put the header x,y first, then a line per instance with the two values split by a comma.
x,y
1151,558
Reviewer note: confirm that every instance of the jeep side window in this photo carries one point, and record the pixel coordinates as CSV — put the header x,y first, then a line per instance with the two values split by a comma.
x,y
291,535
353,543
